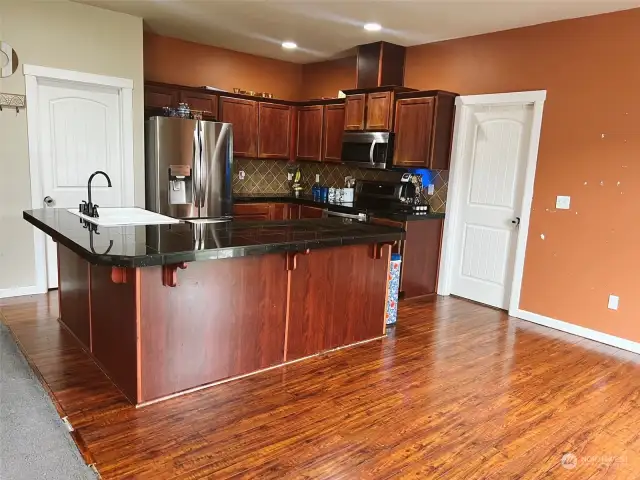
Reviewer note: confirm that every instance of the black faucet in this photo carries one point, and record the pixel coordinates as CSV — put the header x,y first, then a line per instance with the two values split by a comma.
x,y
88,208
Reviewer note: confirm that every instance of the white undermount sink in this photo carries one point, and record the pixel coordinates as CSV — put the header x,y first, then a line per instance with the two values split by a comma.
x,y
116,216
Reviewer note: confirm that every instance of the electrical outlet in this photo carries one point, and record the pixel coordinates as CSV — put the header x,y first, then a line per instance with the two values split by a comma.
x,y
241,174
431,189
563,202
613,302
289,176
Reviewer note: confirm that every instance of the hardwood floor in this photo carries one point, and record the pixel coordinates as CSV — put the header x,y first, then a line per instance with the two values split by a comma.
x,y
456,391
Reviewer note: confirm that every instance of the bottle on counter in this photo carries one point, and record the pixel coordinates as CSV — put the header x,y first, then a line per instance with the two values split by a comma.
x,y
316,188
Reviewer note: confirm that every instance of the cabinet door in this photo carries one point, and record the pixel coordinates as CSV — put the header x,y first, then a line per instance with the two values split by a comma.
x,y
292,211
378,111
333,130
201,101
158,96
309,145
277,211
310,212
274,131
354,112
243,114
413,127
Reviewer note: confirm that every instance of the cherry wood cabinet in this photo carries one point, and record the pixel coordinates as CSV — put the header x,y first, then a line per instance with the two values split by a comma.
x,y
413,127
379,111
156,96
310,128
201,101
266,211
243,114
292,211
354,108
420,251
333,130
424,130
274,130
251,211
310,212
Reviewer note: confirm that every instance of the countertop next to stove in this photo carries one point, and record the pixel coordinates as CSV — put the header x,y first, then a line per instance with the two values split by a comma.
x,y
389,213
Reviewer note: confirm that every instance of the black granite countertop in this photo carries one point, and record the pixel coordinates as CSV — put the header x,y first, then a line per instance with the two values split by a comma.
x,y
389,213
149,245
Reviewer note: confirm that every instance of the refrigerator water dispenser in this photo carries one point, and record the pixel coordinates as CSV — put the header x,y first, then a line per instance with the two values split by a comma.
x,y
180,185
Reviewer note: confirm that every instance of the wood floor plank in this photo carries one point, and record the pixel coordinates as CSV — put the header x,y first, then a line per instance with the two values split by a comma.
x,y
455,391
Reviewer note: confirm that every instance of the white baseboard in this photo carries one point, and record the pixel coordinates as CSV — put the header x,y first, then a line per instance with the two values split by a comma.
x,y
601,337
20,291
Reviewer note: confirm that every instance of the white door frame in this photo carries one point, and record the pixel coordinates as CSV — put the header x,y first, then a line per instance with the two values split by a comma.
x,y
33,74
464,106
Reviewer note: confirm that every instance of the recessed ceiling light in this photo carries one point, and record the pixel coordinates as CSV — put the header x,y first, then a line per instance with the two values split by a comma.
x,y
289,45
373,27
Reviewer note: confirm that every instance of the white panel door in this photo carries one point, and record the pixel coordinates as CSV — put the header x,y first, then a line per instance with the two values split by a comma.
x,y
79,133
492,182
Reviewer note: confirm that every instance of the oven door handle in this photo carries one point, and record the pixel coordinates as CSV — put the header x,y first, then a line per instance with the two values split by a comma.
x,y
371,150
362,217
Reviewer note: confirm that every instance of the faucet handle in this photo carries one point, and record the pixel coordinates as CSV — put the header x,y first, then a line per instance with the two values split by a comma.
x,y
94,212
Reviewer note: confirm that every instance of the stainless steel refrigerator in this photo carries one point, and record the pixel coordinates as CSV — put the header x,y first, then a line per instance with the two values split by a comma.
x,y
188,167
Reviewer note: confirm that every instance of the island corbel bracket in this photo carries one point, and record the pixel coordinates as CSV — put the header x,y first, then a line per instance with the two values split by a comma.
x,y
292,259
118,274
377,249
170,274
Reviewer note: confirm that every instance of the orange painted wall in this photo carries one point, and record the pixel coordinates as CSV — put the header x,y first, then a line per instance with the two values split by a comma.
x,y
324,79
171,60
589,149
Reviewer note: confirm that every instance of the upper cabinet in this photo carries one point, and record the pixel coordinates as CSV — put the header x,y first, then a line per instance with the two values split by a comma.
x,y
424,128
243,115
157,96
310,127
379,111
274,130
313,131
201,101
354,108
332,133
372,111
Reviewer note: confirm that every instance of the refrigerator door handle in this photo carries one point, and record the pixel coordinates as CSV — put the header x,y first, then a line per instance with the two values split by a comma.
x,y
203,164
196,166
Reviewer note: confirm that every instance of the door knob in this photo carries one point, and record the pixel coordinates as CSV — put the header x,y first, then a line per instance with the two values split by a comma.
x,y
49,202
516,222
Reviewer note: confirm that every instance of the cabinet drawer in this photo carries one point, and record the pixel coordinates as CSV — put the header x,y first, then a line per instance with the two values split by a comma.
x,y
243,209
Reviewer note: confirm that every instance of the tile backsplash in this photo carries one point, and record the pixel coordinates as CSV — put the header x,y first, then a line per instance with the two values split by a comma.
x,y
270,176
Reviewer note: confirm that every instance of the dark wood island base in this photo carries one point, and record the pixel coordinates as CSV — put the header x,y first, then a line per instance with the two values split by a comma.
x,y
160,331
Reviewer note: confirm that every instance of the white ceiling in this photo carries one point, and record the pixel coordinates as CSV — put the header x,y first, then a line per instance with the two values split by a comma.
x,y
326,29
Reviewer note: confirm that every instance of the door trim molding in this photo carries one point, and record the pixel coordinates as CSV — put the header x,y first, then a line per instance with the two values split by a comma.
x,y
33,74
461,126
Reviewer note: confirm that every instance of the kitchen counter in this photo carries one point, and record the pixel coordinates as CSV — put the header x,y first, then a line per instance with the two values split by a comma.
x,y
169,309
149,245
389,213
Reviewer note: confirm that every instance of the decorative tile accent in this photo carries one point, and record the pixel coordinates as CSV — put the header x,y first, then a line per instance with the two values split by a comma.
x,y
270,176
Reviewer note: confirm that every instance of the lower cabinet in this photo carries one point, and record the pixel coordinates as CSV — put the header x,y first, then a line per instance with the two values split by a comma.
x,y
251,211
420,252
311,212
331,290
267,211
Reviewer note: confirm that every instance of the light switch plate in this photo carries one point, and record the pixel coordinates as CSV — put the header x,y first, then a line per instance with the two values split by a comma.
x,y
431,189
613,302
563,202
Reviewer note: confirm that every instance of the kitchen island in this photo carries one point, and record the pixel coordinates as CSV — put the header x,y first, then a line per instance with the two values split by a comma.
x,y
167,309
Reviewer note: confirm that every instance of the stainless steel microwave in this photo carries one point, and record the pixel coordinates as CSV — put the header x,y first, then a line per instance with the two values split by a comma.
x,y
368,149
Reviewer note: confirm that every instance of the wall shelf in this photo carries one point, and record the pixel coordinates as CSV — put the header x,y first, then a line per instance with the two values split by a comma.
x,y
13,101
